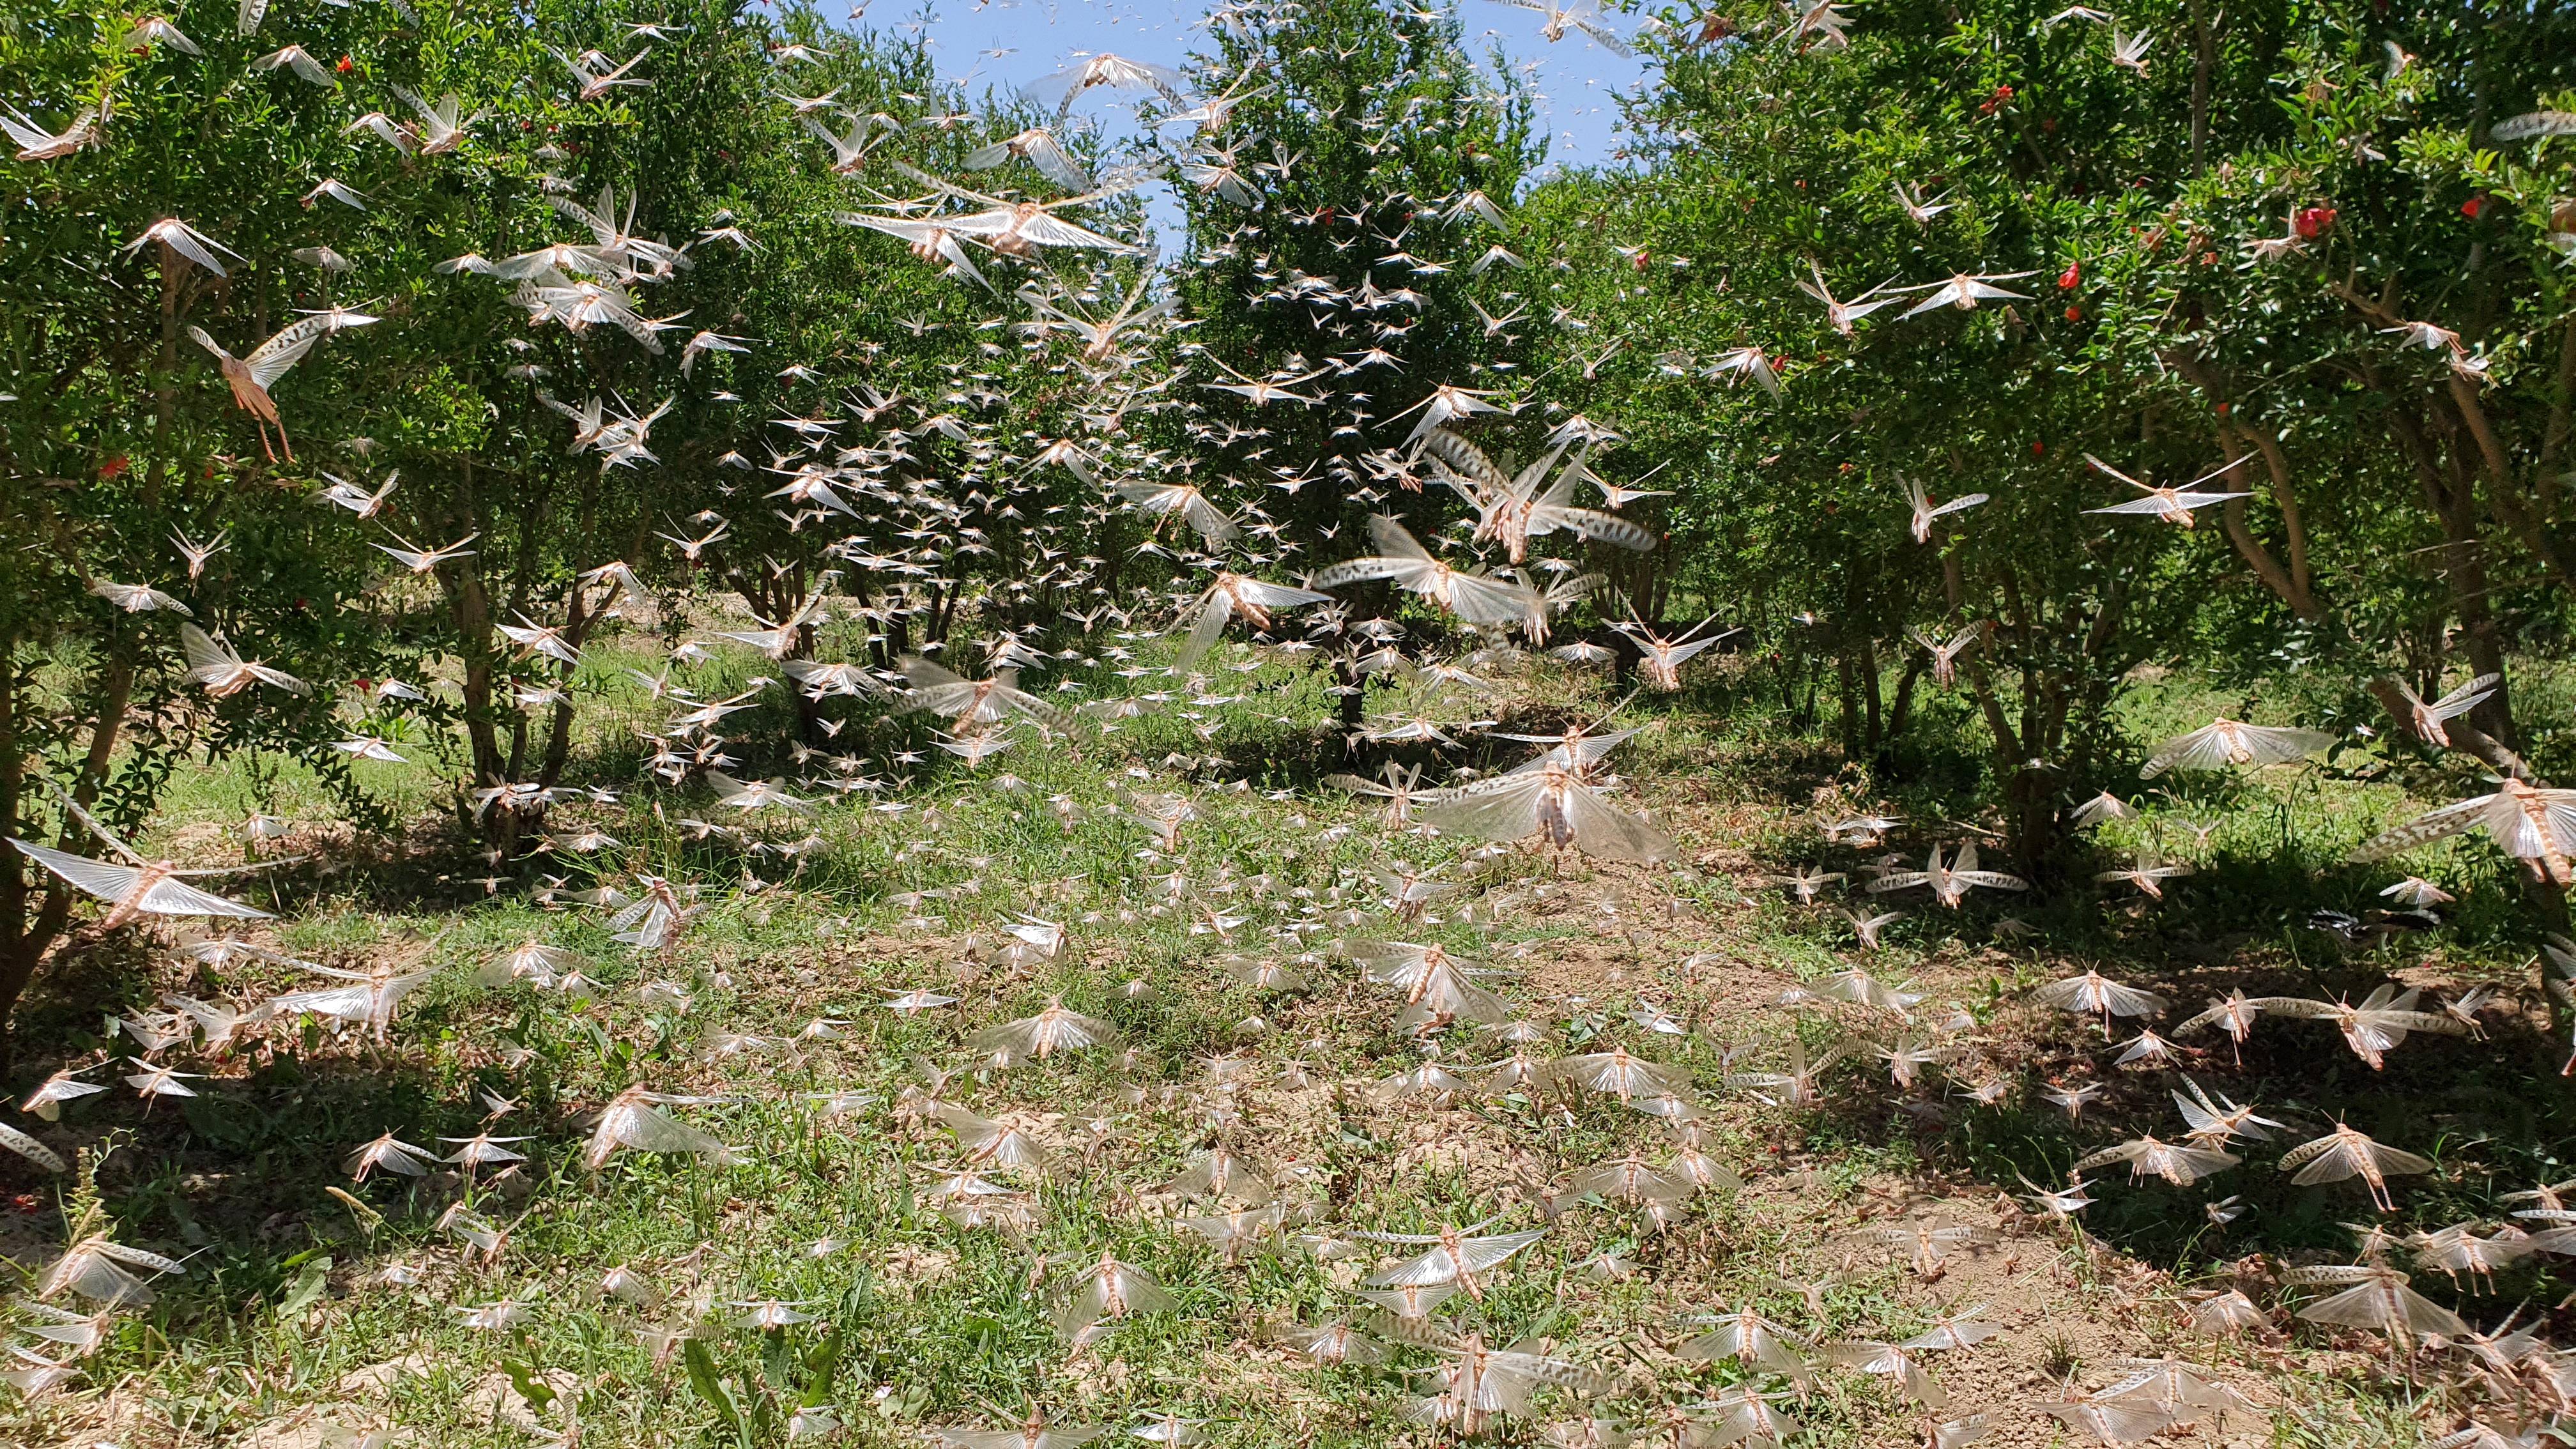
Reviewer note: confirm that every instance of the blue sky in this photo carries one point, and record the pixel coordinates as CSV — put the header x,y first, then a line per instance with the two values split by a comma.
x,y
1576,79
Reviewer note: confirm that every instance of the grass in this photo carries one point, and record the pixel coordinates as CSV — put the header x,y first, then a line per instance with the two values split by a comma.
x,y
285,1316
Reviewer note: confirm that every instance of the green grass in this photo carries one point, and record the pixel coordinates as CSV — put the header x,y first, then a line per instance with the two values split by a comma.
x,y
918,1322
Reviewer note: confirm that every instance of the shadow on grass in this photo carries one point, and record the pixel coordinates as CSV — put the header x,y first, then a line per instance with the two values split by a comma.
x,y
232,1180
2491,1112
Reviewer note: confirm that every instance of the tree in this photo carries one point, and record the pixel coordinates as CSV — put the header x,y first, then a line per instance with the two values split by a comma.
x,y
120,438
1349,230
1793,161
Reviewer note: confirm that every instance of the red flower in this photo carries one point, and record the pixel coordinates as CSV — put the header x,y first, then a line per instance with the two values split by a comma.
x,y
2471,207
2037,449
114,467
1640,262
2002,97
345,65
2224,409
2071,278
2313,222
2074,314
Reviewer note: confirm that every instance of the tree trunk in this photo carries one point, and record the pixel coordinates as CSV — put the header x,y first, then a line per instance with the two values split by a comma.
x,y
27,941
1849,729
1870,695
1904,699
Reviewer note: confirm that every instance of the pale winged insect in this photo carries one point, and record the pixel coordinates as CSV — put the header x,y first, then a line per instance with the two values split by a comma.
x,y
1233,596
1896,1363
1476,1385
220,670
2532,824
2092,993
139,598
1512,509
1616,1073
369,1001
1746,1335
2224,742
1020,228
186,244
388,1154
1107,1291
1945,654
980,704
1805,882
1860,988
1584,17
1951,882
2375,1297
2346,1153
2148,873
2179,1163
633,1121
1661,659
251,377
2171,504
1799,1084
1554,803
143,887
1055,1029
1474,597
1928,1244
1397,784
1629,1179
1926,512
103,1271
1035,1431
2429,722
2217,1121
1434,985
1842,314
2374,1028
1457,1257
46,1101
1964,290
35,143
1330,1344
1186,502
1918,208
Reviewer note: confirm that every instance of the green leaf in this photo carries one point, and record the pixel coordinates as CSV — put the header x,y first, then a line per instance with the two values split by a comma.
x,y
307,1290
530,1384
820,1366
710,1386
227,1122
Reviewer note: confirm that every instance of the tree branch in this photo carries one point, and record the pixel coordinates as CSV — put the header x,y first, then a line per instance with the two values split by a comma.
x,y
2465,738
2292,585
2285,497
